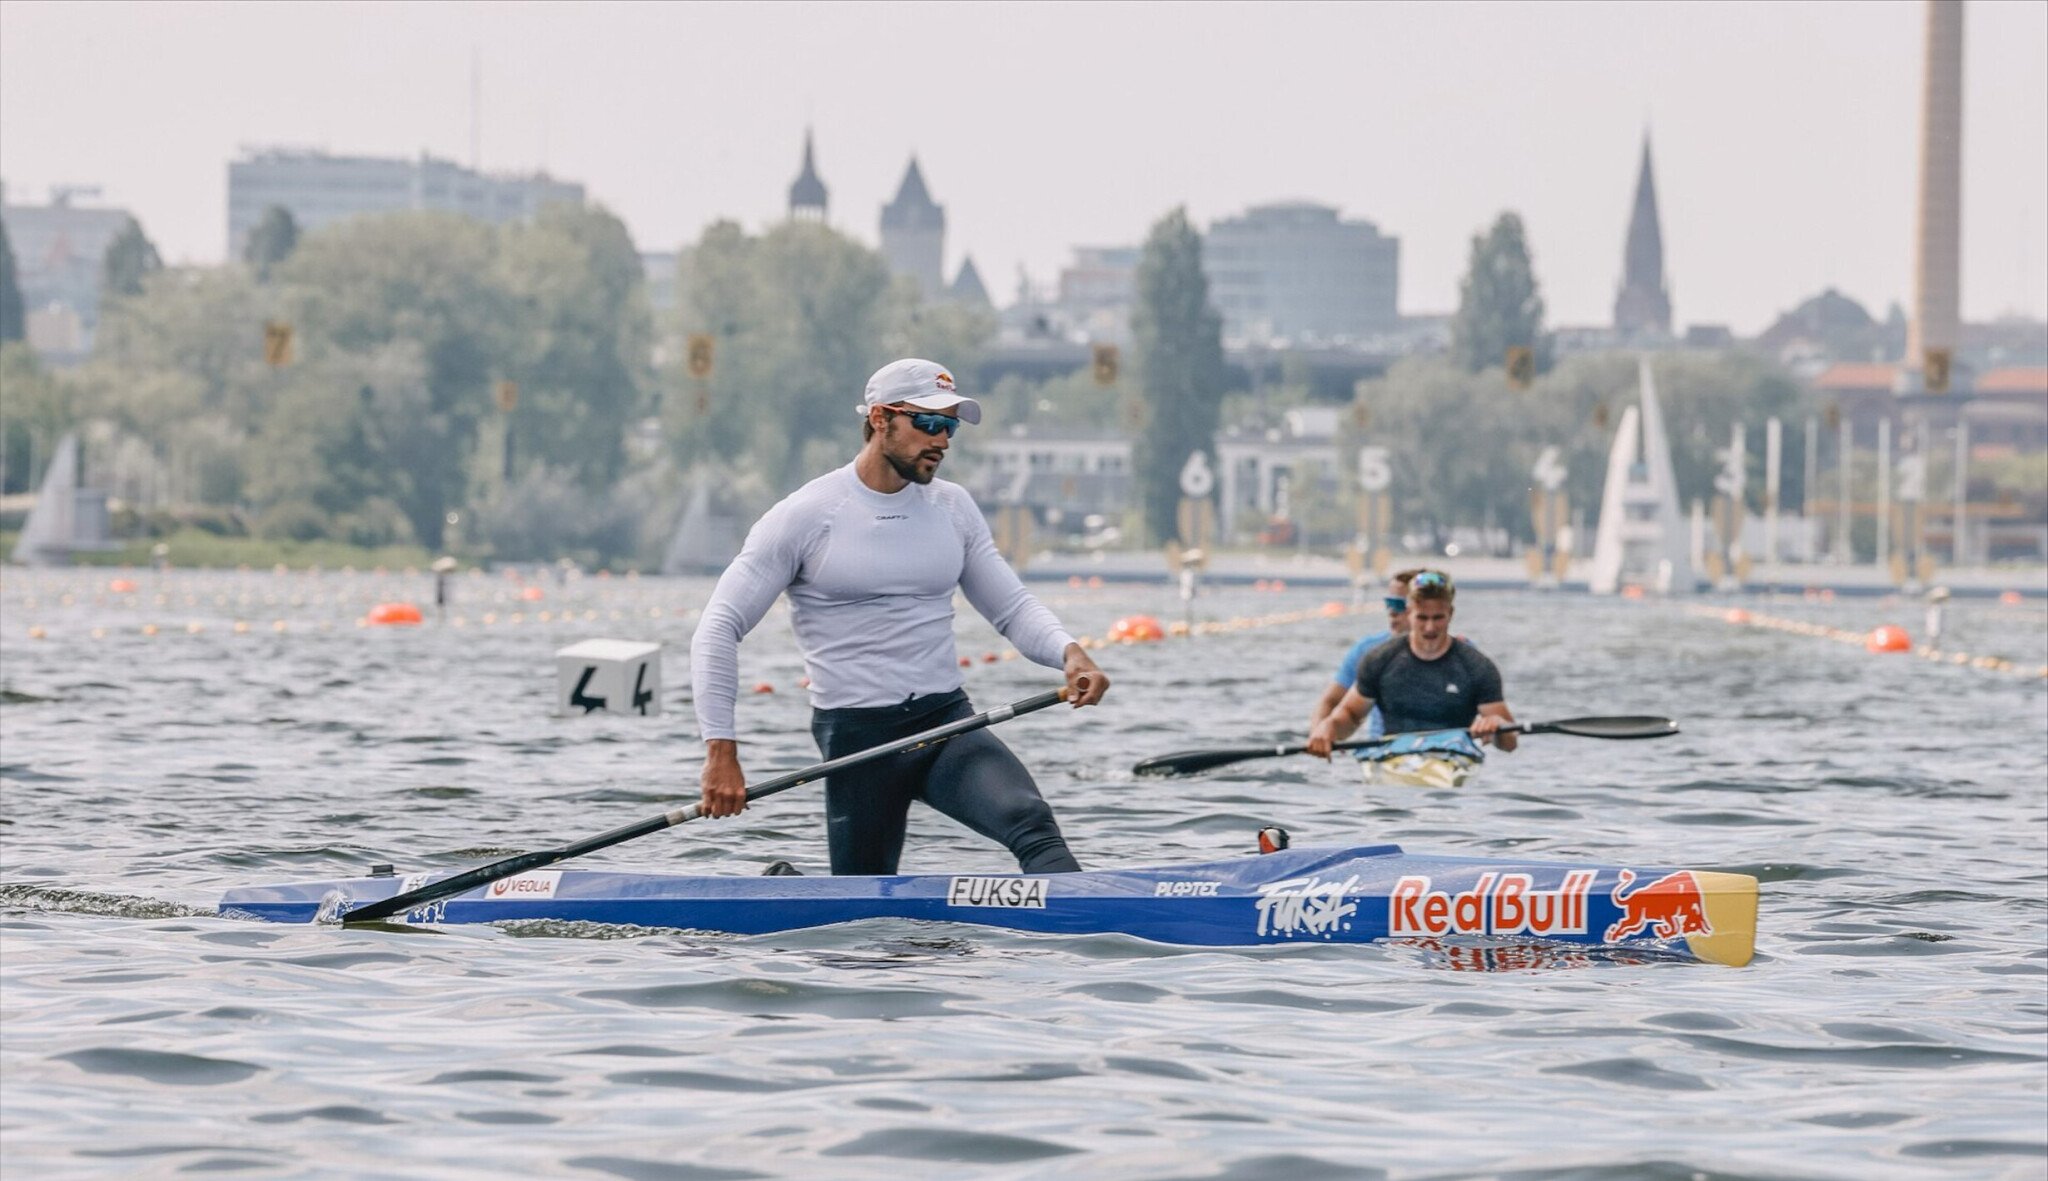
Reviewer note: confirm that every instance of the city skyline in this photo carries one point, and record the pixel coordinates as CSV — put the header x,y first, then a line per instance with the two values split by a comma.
x,y
1772,186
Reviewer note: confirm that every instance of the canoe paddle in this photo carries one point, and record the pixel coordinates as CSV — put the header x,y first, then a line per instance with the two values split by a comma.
x,y
484,875
1188,762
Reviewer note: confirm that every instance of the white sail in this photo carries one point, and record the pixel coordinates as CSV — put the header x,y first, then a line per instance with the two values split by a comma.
x,y
1641,538
46,538
705,539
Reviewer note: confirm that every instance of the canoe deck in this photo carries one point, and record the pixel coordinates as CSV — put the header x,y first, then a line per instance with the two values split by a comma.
x,y
1308,895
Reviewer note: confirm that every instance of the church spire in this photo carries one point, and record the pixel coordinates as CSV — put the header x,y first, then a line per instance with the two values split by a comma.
x,y
807,198
1644,305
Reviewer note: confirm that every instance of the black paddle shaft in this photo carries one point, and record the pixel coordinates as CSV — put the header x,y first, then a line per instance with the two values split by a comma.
x,y
486,874
1190,761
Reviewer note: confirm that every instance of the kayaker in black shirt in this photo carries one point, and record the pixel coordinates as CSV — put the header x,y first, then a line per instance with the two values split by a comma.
x,y
1429,680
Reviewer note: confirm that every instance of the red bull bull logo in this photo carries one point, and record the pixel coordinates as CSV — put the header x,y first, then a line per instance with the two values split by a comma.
x,y
1670,907
1497,904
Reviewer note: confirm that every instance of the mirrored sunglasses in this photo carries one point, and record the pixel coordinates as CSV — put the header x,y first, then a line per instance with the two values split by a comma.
x,y
931,422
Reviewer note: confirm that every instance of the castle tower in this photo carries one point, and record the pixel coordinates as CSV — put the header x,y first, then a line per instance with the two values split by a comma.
x,y
1644,305
807,195
968,288
1937,314
914,234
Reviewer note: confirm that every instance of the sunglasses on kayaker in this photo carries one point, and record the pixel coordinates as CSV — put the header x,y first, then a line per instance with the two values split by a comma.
x,y
1394,605
1430,578
931,422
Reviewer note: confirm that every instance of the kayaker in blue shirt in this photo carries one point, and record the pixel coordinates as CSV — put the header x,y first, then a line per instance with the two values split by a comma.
x,y
1432,682
1396,603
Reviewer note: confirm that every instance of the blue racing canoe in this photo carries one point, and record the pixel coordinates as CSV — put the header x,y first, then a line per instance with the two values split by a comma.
x,y
1307,895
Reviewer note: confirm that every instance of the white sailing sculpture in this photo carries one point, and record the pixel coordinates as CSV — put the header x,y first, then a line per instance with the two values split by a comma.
x,y
66,518
705,540
1642,539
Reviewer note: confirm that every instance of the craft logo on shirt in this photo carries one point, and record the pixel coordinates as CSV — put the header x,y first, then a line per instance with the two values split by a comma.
x,y
892,516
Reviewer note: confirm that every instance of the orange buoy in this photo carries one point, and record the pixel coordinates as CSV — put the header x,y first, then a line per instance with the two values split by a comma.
x,y
1279,584
1889,638
1095,582
1827,594
1632,591
1074,582
1136,629
1736,615
532,594
989,658
764,687
121,586
1332,609
1262,586
393,615
2011,598
966,663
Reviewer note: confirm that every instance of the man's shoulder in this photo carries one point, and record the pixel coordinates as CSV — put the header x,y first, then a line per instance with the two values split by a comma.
x,y
816,494
953,499
951,495
1383,652
1469,652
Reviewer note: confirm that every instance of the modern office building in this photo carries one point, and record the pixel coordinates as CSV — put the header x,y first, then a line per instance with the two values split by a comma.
x,y
319,189
1295,272
1097,290
59,249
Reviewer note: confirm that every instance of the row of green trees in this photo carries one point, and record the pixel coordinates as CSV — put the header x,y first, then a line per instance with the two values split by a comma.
x,y
345,384
443,371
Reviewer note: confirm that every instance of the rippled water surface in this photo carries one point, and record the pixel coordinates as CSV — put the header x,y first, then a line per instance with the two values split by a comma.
x,y
1894,1023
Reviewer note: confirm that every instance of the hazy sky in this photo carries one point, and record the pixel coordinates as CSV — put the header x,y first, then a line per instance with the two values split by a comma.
x,y
1785,134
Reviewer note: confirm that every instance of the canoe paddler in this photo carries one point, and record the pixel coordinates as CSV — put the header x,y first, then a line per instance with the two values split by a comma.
x,y
870,556
1432,682
1396,603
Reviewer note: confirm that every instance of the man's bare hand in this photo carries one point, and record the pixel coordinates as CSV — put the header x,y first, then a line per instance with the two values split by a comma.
x,y
1322,739
1486,728
725,785
1085,682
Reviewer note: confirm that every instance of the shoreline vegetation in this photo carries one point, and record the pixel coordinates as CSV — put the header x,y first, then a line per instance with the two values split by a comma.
x,y
190,549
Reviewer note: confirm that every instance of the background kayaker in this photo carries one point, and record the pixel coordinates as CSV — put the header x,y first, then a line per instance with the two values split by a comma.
x,y
870,555
1435,681
1396,604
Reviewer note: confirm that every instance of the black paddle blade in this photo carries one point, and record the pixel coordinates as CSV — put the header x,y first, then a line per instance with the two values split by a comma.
x,y
1627,726
1188,762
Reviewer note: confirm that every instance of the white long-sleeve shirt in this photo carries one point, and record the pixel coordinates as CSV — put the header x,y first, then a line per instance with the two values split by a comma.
x,y
870,577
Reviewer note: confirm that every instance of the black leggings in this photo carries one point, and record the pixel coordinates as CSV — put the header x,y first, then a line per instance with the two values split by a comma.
x,y
971,777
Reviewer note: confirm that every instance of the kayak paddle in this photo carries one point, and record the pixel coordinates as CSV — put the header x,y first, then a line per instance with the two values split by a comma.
x,y
1188,762
484,875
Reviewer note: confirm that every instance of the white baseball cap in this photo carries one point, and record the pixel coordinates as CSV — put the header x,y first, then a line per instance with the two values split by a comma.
x,y
926,385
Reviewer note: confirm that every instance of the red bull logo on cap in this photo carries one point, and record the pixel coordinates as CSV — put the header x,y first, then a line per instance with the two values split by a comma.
x,y
1497,904
944,381
1670,907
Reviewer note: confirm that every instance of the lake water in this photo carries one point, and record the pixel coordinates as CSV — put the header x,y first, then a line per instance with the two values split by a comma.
x,y
1894,1023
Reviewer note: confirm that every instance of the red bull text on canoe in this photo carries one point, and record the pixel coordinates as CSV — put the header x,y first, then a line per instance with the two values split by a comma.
x,y
1497,904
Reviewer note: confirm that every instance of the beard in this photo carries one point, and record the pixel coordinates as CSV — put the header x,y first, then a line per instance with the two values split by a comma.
x,y
908,468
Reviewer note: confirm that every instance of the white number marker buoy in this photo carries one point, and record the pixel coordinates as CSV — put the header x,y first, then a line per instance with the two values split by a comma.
x,y
617,676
